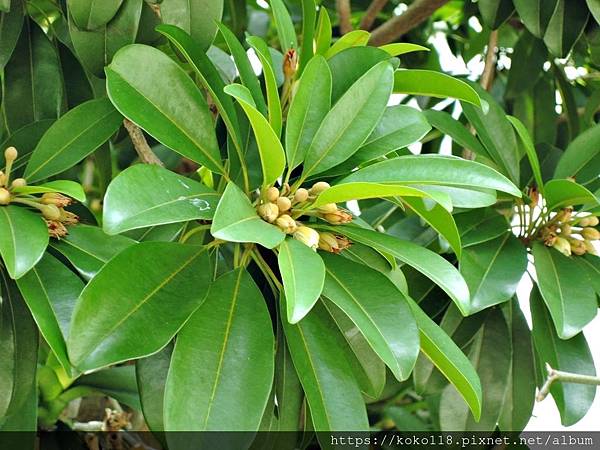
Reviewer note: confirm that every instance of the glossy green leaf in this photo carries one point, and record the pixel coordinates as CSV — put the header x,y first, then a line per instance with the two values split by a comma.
x,y
73,137
493,270
529,151
532,54
377,308
165,102
520,392
535,14
317,350
565,26
23,239
581,159
92,14
88,248
303,274
323,32
456,130
490,355
479,226
434,170
133,201
309,20
50,290
350,121
25,140
425,261
433,84
66,187
441,350
133,294
573,355
495,12
572,304
356,38
116,382
272,156
10,29
236,220
197,17
561,193
228,341
151,374
284,25
308,108
401,48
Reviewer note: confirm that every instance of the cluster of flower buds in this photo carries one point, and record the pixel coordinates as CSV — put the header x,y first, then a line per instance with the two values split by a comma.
x,y
51,204
571,234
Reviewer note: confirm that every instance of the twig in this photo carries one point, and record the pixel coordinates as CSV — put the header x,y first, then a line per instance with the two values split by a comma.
x,y
140,144
417,12
565,377
489,70
344,13
371,14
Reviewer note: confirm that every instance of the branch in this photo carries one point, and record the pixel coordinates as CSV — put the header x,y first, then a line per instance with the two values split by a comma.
x,y
371,14
565,377
417,12
142,148
344,13
489,69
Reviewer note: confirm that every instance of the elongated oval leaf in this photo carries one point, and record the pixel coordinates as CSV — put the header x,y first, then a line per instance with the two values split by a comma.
x,y
23,239
73,137
401,48
228,341
164,101
356,38
561,193
433,84
581,158
66,187
284,25
10,28
378,309
303,274
456,130
565,26
151,375
197,17
92,14
146,195
135,292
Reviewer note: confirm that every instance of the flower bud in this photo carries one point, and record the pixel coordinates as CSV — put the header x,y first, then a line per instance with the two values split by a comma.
x,y
319,187
337,217
268,211
56,229
286,224
10,154
54,198
534,195
577,247
50,212
590,221
68,218
272,194
4,197
590,233
327,208
307,236
19,182
300,196
590,248
564,215
2,178
290,63
284,204
562,245
328,242
549,239
565,230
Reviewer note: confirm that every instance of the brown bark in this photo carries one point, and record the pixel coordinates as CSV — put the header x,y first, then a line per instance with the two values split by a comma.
x,y
344,14
140,144
371,14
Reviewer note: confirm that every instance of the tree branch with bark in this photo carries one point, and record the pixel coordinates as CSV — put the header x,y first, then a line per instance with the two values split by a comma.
x,y
344,14
371,14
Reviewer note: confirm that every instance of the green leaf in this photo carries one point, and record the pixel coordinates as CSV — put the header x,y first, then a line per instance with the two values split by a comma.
x,y
11,24
92,14
425,261
479,226
377,308
50,290
116,382
73,137
401,48
25,140
356,38
351,120
151,374
88,248
529,151
581,158
441,350
133,294
433,84
495,12
594,7
323,32
523,77
273,101
535,14
165,102
456,130
236,220
309,19
272,156
493,270
227,340
196,17
490,355
520,392
434,170
284,25
23,239
572,399
572,303
309,106
66,187
288,392
565,26
317,350
145,195
561,193
303,274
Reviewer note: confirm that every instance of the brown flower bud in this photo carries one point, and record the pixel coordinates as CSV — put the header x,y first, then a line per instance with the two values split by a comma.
x,y
50,212
549,239
269,212
338,217
54,198
565,230
327,208
4,197
290,63
10,154
68,218
590,221
577,247
284,204
56,229
562,245
19,182
286,224
319,187
307,236
2,178
272,194
590,233
590,248
534,195
564,215
300,196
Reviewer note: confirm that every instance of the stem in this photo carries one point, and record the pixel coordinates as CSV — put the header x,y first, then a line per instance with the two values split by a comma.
x,y
140,144
264,266
489,70
344,13
371,14
565,377
194,231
